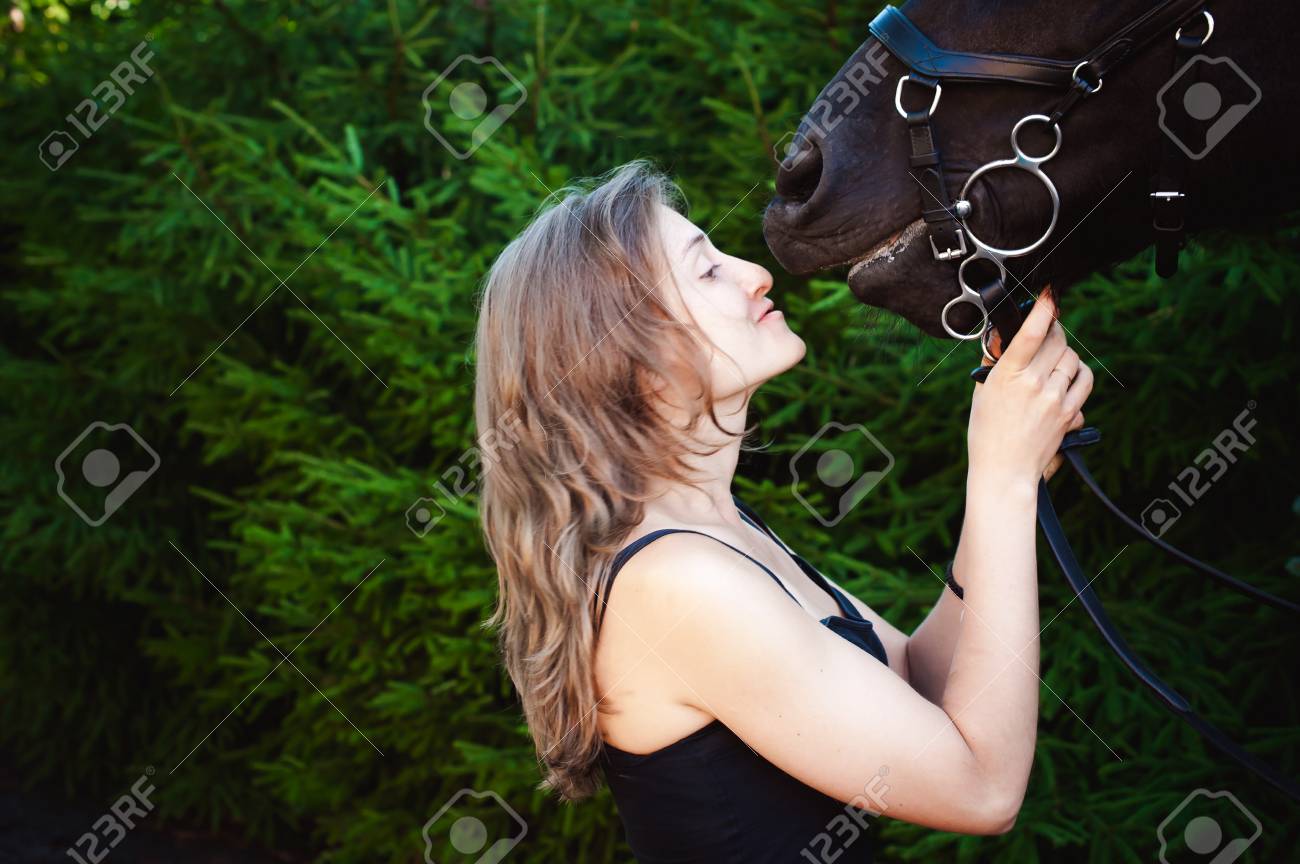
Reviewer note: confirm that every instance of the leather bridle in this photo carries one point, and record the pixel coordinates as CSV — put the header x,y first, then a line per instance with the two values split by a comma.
x,y
947,221
928,67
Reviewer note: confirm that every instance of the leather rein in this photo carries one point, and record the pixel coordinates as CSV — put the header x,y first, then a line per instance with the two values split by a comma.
x,y
928,67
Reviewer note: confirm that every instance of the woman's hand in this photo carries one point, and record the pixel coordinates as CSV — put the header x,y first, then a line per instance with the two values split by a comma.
x,y
1030,400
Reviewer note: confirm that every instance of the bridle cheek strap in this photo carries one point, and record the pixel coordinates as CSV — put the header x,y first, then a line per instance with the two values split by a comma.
x,y
929,65
947,241
1168,198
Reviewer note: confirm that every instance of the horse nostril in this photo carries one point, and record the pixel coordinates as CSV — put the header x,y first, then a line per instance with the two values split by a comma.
x,y
800,171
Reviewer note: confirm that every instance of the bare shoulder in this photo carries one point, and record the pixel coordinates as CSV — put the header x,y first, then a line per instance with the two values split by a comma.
x,y
702,632
686,568
701,603
668,631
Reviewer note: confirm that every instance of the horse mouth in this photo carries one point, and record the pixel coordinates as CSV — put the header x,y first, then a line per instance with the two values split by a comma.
x,y
878,260
899,273
888,266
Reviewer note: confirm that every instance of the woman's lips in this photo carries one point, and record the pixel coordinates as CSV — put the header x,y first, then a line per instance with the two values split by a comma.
x,y
770,314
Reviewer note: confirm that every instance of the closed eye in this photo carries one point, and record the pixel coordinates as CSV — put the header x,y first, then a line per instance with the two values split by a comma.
x,y
712,272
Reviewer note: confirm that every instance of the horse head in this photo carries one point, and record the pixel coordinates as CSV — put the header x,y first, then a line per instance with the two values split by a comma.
x,y
844,194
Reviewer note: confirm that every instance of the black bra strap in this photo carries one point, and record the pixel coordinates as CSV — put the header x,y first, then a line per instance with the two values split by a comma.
x,y
846,605
754,519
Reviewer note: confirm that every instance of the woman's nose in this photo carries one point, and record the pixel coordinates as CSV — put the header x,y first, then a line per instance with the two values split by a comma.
x,y
762,279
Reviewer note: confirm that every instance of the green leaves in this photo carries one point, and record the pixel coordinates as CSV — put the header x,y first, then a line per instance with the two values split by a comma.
x,y
290,472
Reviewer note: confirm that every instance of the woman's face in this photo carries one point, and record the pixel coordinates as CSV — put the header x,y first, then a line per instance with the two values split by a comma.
x,y
728,298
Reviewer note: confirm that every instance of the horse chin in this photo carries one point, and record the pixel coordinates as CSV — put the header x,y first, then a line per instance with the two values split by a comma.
x,y
900,274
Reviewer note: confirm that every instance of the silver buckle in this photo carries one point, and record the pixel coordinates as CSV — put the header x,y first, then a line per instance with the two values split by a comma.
x,y
1084,86
950,254
1209,28
898,97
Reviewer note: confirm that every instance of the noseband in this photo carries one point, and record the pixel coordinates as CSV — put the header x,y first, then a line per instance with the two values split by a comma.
x,y
928,67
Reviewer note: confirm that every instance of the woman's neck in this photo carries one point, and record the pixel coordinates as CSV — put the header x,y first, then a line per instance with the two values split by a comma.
x,y
709,498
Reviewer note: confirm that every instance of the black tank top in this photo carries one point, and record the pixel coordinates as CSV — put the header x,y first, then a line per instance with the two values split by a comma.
x,y
708,797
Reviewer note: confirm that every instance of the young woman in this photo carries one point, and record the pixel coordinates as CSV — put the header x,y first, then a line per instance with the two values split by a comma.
x,y
740,705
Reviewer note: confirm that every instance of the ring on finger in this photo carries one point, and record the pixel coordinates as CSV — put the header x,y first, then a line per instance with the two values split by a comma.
x,y
1068,376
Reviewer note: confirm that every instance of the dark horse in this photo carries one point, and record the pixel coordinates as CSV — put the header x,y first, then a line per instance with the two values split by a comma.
x,y
1143,134
846,196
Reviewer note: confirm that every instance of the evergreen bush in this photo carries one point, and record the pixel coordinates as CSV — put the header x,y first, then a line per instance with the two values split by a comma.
x,y
266,265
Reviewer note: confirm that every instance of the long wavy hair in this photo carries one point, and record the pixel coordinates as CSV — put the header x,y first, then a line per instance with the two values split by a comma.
x,y
573,350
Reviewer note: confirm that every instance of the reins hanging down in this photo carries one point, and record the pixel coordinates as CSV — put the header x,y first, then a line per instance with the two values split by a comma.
x,y
949,233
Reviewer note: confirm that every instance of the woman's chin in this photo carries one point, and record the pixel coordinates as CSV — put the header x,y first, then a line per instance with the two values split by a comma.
x,y
803,348
797,351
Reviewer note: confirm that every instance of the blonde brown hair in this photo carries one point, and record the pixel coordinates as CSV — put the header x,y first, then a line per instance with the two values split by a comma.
x,y
573,345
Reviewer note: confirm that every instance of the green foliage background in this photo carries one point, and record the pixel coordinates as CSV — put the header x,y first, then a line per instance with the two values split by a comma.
x,y
289,461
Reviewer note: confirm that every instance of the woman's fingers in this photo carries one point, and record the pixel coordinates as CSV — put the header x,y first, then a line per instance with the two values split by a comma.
x,y
1036,330
1064,371
1049,353
1080,387
1058,460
